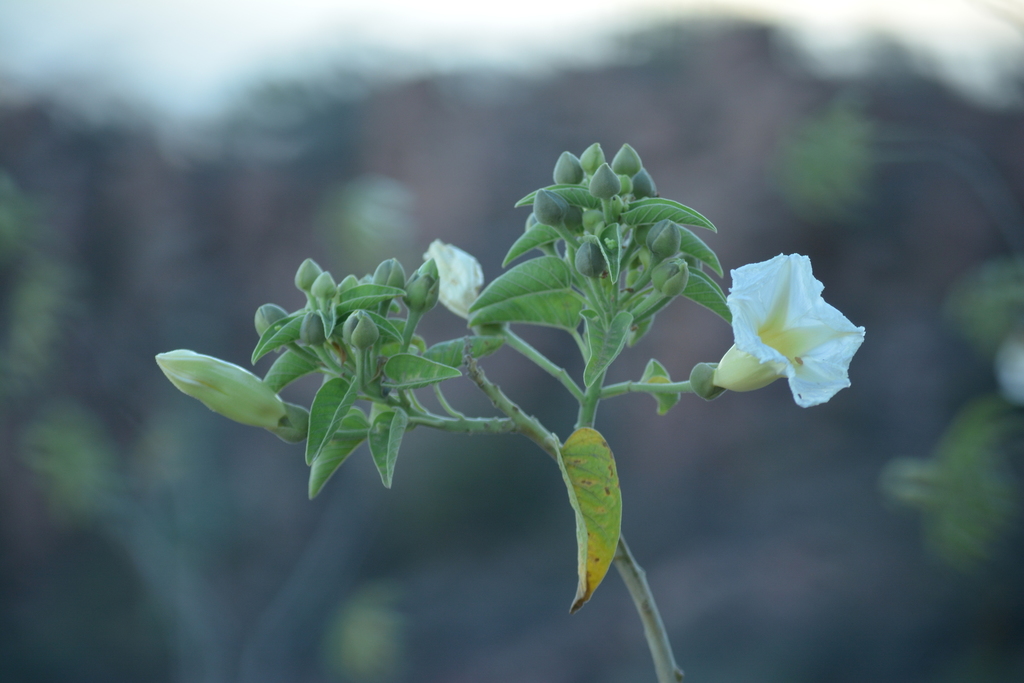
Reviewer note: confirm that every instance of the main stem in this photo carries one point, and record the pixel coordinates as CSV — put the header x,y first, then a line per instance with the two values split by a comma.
x,y
632,573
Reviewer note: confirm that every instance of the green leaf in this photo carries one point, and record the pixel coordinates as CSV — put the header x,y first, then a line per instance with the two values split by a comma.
x,y
365,297
284,331
650,211
605,343
330,405
612,253
637,332
288,367
655,373
538,291
705,291
694,246
409,371
536,236
451,352
588,469
574,194
385,439
354,428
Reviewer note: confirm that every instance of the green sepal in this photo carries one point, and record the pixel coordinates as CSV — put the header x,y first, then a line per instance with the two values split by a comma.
x,y
654,209
694,246
533,238
409,371
605,343
365,296
538,291
354,428
574,194
655,373
284,331
287,368
706,292
451,353
385,439
330,405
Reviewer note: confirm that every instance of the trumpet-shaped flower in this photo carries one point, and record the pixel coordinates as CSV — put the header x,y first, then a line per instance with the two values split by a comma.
x,y
223,387
461,277
783,328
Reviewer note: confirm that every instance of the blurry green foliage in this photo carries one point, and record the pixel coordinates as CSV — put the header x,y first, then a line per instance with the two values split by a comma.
x,y
16,217
988,303
965,491
368,220
70,452
365,641
824,166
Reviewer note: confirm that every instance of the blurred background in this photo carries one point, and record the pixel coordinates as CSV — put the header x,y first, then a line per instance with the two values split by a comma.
x,y
164,169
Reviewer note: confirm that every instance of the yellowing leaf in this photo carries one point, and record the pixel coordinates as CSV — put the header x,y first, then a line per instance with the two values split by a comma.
x,y
588,468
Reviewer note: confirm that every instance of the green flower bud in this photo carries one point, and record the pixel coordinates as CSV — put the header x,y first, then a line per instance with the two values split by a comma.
x,y
627,161
593,220
295,425
605,184
390,273
568,170
702,381
423,288
663,240
549,208
324,287
223,387
626,183
589,259
364,331
307,274
643,185
592,158
267,315
347,283
670,277
312,331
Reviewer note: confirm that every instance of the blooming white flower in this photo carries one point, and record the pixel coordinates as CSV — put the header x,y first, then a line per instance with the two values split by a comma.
x,y
783,328
461,277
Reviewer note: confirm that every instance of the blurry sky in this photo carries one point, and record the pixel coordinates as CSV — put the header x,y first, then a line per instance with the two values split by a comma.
x,y
191,56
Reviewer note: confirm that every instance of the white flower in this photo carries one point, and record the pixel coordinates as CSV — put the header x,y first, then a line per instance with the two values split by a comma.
x,y
783,328
461,277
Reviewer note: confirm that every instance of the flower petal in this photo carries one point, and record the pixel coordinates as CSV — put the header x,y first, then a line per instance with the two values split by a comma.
x,y
461,276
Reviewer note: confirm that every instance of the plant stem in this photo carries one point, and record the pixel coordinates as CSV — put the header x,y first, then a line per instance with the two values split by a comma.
x,y
588,406
542,361
611,390
635,579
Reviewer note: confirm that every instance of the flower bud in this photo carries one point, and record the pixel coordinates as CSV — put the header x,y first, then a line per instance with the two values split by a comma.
x,y
460,274
626,161
593,220
589,259
605,184
702,381
295,425
390,273
568,170
573,218
663,240
307,274
347,283
223,387
643,185
549,208
670,277
626,183
267,315
324,287
592,158
531,221
312,331
360,330
423,288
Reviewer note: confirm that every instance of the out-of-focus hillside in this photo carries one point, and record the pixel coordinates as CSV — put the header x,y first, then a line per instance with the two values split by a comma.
x,y
146,539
